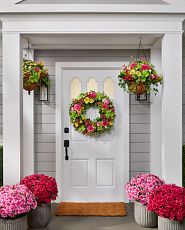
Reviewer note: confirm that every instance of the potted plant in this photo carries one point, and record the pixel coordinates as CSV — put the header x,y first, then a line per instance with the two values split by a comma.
x,y
139,77
168,202
16,201
34,75
138,190
45,190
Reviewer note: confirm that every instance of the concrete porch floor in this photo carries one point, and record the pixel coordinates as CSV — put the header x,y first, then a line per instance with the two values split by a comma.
x,y
94,223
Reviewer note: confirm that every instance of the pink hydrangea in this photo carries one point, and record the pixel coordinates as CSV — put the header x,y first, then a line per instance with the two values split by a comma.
x,y
168,201
140,187
16,200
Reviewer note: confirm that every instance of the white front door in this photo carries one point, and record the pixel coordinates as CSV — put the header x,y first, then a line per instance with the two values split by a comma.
x,y
98,167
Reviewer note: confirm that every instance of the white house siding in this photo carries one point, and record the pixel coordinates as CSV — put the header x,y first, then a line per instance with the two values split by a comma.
x,y
45,113
1,96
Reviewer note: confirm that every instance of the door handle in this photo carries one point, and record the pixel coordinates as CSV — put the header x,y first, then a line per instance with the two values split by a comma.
x,y
66,146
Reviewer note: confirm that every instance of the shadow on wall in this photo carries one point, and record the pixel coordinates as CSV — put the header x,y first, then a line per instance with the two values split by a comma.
x,y
1,165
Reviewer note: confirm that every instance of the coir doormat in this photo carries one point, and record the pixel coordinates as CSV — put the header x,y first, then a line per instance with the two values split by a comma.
x,y
91,209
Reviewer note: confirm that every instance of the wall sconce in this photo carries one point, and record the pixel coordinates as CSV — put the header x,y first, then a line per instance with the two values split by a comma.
x,y
28,53
142,97
44,93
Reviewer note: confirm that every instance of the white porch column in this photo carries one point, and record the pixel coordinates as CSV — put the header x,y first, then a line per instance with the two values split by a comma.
x,y
28,123
28,133
12,108
156,119
172,108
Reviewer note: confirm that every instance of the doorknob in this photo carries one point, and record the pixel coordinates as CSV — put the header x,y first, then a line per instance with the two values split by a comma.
x,y
66,145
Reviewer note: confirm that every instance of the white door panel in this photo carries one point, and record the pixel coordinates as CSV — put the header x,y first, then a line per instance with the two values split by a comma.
x,y
96,167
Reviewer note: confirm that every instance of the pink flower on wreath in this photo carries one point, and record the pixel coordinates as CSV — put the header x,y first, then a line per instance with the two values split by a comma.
x,y
105,106
90,128
98,124
145,67
92,94
77,107
106,101
105,123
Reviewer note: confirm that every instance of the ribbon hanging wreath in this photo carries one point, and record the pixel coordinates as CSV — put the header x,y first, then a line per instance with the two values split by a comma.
x,y
99,125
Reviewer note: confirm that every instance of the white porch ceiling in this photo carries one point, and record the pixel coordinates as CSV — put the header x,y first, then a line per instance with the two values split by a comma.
x,y
93,41
92,2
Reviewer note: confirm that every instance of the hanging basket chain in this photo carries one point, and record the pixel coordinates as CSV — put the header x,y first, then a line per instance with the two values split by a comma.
x,y
141,49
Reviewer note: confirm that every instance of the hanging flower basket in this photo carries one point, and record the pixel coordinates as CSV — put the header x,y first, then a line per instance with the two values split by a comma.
x,y
34,75
139,77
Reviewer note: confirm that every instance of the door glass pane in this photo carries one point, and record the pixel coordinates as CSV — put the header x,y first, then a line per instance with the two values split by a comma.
x,y
92,84
75,87
109,87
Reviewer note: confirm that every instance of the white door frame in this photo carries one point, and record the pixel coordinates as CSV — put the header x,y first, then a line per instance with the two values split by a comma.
x,y
60,66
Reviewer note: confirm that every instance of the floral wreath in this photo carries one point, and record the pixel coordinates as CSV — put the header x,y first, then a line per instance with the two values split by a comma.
x,y
86,126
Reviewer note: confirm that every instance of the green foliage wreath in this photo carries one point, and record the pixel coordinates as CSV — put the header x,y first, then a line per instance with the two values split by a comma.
x,y
86,126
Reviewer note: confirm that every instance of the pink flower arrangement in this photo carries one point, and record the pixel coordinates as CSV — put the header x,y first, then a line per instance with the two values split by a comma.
x,y
15,201
140,187
43,187
168,201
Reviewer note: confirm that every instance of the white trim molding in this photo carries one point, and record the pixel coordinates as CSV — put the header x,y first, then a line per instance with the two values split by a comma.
x,y
92,23
12,108
156,119
172,108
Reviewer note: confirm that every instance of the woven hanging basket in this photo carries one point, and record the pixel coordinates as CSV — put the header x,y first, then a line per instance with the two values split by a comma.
x,y
137,88
30,87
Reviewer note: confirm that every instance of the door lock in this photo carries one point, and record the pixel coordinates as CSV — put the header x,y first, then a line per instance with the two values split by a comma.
x,y
66,146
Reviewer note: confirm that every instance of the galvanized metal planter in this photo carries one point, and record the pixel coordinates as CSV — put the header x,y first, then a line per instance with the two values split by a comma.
x,y
166,224
40,217
17,224
143,217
